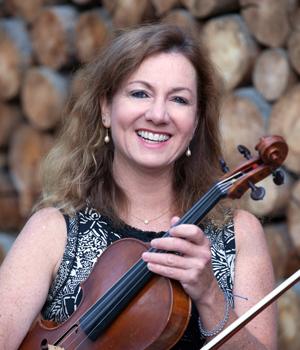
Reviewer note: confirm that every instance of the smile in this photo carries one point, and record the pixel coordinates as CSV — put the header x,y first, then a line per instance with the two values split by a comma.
x,y
153,137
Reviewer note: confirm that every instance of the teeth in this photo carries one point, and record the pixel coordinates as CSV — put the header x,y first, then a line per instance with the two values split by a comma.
x,y
147,135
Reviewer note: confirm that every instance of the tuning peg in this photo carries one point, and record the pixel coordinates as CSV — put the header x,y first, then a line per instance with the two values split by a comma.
x,y
257,193
278,177
224,166
244,151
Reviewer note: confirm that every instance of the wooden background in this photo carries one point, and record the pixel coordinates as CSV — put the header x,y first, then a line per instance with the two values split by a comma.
x,y
255,45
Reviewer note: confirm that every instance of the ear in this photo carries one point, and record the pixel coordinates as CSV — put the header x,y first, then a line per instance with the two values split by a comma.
x,y
105,112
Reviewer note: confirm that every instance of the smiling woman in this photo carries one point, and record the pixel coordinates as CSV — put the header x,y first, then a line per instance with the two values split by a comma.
x,y
138,147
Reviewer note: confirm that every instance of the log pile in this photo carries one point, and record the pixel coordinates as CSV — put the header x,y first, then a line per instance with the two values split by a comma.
x,y
255,46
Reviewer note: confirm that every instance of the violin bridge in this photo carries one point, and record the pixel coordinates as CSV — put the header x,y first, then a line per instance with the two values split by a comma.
x,y
53,347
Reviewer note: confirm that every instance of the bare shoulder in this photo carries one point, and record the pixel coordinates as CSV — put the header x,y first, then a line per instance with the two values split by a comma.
x,y
248,230
44,233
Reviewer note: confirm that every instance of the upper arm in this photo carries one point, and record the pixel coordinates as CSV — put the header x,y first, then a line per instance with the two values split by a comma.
x,y
254,276
26,273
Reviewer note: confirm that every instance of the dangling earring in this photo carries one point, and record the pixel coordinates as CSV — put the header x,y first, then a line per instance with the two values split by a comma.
x,y
188,152
106,138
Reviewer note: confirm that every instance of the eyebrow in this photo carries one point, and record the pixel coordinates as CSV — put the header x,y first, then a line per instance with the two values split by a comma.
x,y
149,86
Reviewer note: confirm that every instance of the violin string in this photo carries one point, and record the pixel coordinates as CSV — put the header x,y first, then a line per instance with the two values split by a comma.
x,y
139,270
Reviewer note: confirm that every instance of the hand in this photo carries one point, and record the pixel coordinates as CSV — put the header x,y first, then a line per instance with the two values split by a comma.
x,y
192,267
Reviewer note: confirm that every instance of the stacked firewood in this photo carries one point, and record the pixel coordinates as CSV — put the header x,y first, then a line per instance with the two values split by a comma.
x,y
255,46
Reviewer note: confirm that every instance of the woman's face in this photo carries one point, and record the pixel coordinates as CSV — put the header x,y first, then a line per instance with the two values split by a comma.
x,y
153,114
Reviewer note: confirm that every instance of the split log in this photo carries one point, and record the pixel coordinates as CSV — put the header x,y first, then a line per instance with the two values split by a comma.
x,y
206,8
92,30
272,75
282,250
293,45
3,159
293,216
44,93
284,120
28,147
10,218
243,114
268,20
183,19
131,12
15,56
53,36
275,201
110,5
294,16
29,9
163,7
10,116
289,320
232,49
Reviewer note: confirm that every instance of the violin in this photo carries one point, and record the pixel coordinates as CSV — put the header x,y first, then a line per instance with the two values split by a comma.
x,y
127,307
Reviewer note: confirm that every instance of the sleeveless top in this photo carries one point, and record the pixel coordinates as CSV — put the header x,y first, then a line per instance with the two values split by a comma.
x,y
89,234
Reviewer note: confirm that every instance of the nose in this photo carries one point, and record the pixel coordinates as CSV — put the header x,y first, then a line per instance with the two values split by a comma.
x,y
157,112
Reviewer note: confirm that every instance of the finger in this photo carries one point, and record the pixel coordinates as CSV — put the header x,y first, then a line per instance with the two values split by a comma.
x,y
190,232
174,244
174,220
168,259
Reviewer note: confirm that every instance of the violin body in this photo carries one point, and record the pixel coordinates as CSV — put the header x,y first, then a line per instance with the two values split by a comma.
x,y
154,319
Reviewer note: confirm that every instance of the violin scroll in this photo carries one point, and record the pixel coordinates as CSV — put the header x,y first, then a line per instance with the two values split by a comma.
x,y
272,151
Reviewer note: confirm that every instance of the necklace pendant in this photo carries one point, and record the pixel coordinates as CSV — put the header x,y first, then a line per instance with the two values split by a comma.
x,y
146,222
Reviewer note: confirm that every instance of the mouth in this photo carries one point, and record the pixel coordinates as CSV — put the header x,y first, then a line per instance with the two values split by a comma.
x,y
153,137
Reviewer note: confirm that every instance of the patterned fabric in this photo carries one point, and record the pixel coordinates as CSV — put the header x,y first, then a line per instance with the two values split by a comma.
x,y
89,234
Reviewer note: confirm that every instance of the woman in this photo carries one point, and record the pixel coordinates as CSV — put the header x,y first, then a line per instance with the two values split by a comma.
x,y
140,145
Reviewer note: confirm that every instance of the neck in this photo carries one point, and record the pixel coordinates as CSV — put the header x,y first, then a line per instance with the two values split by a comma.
x,y
149,194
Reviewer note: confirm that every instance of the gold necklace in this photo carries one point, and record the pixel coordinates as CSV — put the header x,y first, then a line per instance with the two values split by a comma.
x,y
146,221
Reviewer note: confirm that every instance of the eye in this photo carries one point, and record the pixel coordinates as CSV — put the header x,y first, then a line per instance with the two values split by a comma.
x,y
180,100
139,94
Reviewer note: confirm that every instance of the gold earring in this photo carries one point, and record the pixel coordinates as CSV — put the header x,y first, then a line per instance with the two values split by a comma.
x,y
106,138
188,152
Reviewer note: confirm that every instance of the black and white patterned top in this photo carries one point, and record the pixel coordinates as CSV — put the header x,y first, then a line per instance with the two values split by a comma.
x,y
89,234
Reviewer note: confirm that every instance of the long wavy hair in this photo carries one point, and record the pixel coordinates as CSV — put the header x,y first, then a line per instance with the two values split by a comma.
x,y
79,167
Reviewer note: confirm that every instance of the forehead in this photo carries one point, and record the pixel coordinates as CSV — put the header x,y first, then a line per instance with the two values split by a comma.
x,y
173,68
